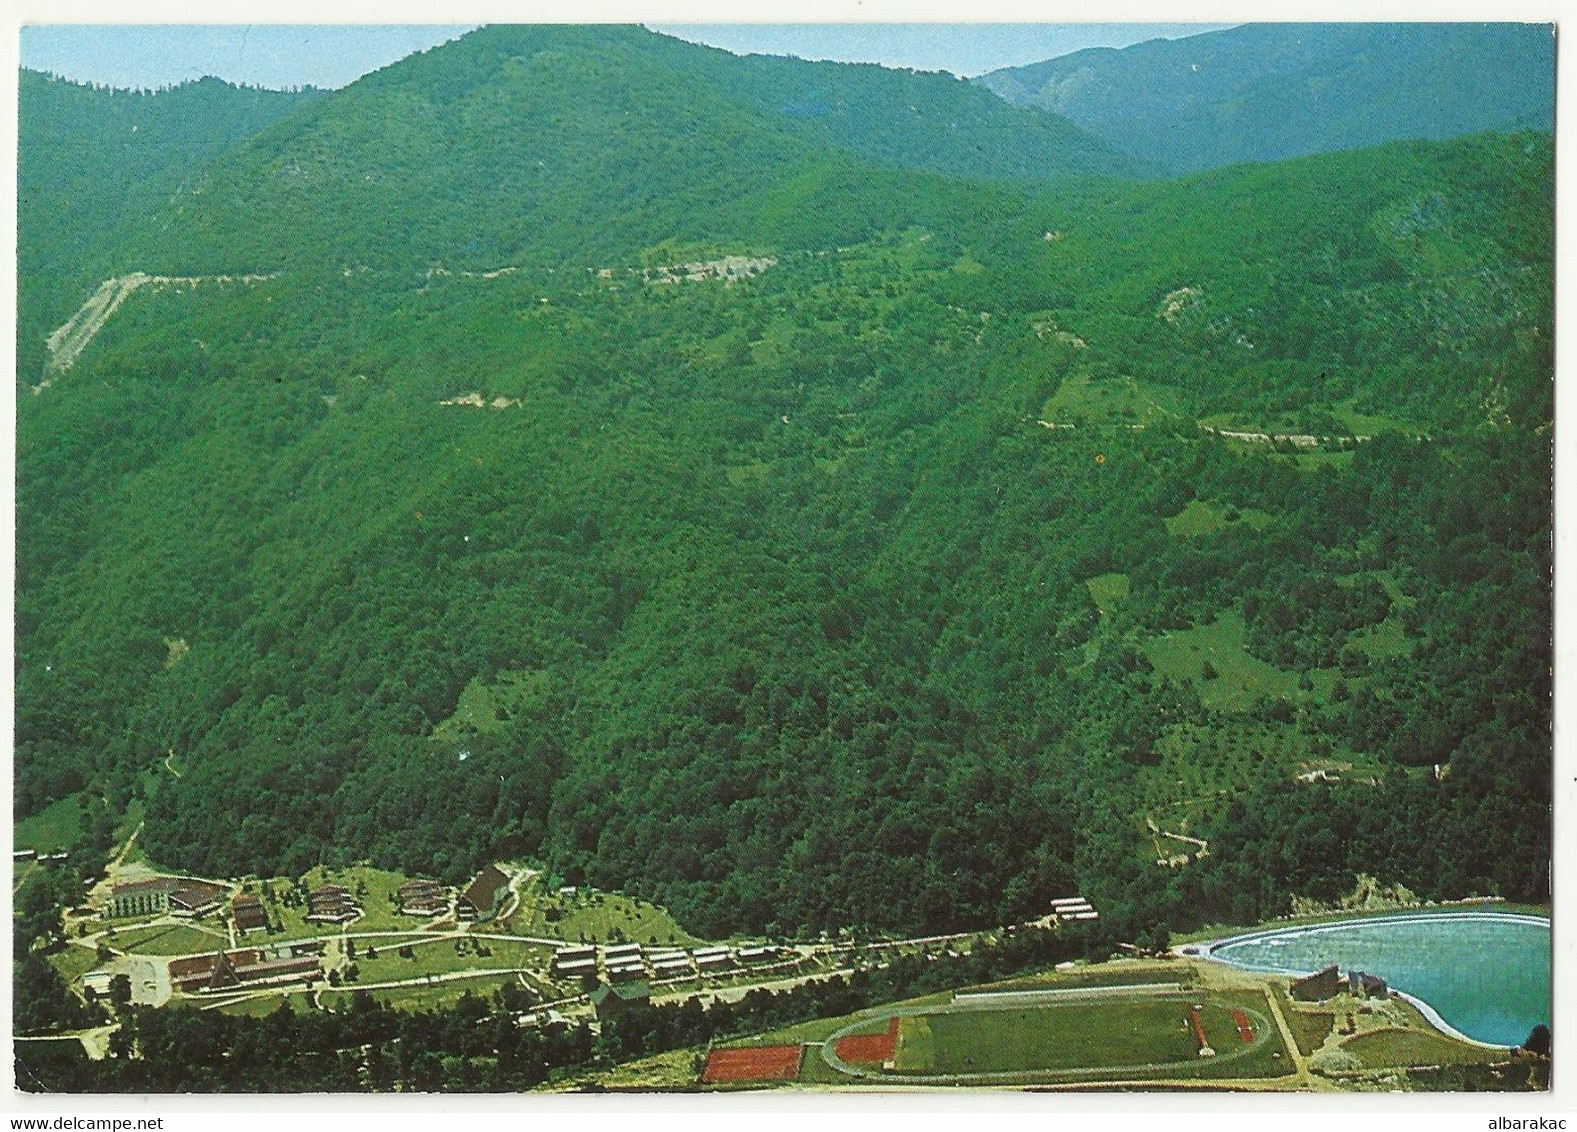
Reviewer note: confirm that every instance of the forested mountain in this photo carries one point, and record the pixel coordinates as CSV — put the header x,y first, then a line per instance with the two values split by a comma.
x,y
1268,91
92,160
576,144
892,580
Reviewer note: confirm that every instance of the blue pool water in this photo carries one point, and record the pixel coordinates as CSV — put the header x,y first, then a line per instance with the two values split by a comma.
x,y
1487,974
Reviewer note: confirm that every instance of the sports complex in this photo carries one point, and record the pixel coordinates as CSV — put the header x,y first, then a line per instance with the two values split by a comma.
x,y
1151,1024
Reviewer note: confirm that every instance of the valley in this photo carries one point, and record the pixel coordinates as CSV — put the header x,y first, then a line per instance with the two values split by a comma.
x,y
595,490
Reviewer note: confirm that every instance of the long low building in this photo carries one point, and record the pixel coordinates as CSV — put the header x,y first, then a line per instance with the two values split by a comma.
x,y
247,966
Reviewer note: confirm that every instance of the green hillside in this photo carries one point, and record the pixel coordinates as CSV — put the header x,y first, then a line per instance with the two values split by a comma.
x,y
92,161
1267,91
774,599
586,145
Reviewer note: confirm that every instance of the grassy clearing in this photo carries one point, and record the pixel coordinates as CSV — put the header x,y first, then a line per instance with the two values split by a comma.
x,y
55,827
1371,424
1123,400
1404,1049
1106,590
1385,640
1240,679
1201,518
486,709
1313,461
592,916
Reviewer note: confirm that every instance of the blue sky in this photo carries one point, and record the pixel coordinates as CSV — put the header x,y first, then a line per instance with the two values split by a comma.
x,y
334,55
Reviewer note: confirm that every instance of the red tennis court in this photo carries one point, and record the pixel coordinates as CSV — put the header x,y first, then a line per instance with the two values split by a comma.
x,y
869,1047
752,1063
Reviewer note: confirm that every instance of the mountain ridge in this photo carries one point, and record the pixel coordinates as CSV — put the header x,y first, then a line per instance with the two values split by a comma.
x,y
1267,91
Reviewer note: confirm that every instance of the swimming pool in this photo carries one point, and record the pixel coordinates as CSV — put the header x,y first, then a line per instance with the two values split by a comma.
x,y
1485,975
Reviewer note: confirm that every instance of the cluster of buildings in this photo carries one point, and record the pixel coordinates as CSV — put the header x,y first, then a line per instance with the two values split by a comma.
x,y
176,896
327,904
1073,908
256,966
626,962
1328,983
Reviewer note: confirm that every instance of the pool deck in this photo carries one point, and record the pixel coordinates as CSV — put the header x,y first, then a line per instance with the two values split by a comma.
x,y
1206,949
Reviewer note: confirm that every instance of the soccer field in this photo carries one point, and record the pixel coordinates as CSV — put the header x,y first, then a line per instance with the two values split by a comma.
x,y
1149,1036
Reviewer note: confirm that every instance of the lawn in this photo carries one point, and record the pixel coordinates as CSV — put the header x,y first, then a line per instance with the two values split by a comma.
x,y
1071,1035
57,826
1401,1049
439,957
1309,1028
73,961
820,1029
168,939
591,916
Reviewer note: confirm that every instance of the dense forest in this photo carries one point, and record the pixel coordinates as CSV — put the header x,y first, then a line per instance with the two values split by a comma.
x,y
908,579
93,161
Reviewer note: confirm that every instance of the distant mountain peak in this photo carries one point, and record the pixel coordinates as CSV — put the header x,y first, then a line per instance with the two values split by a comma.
x,y
1260,92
